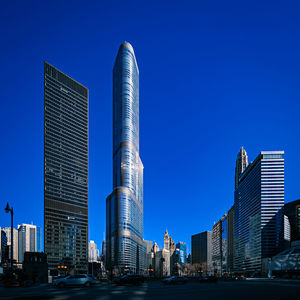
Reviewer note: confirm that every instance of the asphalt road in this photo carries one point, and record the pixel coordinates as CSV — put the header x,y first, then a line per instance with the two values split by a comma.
x,y
241,290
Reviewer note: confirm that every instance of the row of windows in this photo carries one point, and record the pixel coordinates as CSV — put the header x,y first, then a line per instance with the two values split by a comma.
x,y
68,82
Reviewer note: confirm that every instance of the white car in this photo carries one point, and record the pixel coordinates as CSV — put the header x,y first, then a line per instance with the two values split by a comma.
x,y
76,279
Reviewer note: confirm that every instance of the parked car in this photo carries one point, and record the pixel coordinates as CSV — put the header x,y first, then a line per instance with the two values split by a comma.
x,y
129,279
208,279
175,280
74,280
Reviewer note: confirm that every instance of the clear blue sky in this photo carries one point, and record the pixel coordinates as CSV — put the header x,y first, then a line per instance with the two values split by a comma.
x,y
214,76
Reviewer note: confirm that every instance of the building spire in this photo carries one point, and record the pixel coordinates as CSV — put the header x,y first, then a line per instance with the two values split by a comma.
x,y
241,165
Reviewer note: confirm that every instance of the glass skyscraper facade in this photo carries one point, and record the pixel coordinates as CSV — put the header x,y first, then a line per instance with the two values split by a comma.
x,y
182,252
65,171
124,206
38,239
258,211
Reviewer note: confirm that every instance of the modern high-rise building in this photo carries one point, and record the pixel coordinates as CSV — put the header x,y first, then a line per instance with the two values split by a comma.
x,y
65,170
224,245
38,239
230,239
181,246
202,250
241,164
219,246
258,212
124,206
93,252
15,241
27,241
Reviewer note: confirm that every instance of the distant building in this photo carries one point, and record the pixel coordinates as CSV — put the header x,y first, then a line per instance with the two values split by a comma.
x,y
181,246
97,269
258,212
189,259
93,252
3,246
27,241
172,246
175,262
104,247
155,247
202,250
103,254
224,245
35,266
169,244
292,211
216,248
286,232
162,263
149,256
38,239
219,246
230,239
15,241
241,165
148,245
166,240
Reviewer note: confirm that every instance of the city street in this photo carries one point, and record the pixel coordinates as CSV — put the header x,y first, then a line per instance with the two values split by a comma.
x,y
241,290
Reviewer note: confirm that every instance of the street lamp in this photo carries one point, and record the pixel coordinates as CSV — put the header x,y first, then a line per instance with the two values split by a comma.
x,y
7,210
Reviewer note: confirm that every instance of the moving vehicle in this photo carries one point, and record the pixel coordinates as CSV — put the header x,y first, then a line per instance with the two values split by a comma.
x,y
129,279
175,280
74,280
208,279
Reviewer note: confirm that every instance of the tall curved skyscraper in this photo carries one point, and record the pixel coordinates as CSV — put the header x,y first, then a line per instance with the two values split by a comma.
x,y
124,206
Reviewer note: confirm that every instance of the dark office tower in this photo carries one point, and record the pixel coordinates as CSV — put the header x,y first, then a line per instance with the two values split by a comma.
x,y
124,206
65,171
241,165
202,250
258,212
